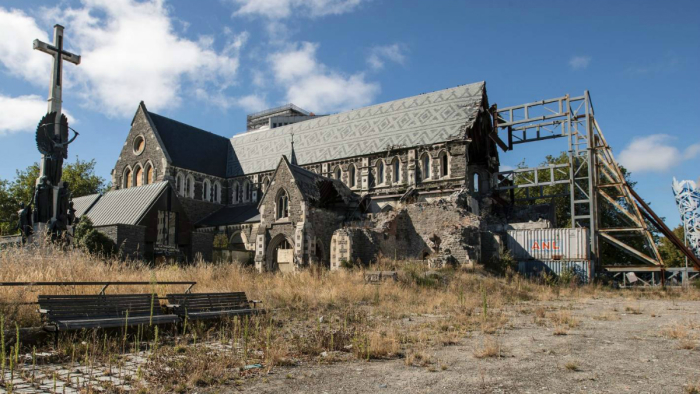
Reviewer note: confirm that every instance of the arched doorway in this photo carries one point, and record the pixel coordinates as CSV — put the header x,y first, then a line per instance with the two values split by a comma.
x,y
321,255
280,254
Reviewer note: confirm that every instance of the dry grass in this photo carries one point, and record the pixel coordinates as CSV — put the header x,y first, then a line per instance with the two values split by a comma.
x,y
312,313
633,310
572,366
687,344
490,348
676,331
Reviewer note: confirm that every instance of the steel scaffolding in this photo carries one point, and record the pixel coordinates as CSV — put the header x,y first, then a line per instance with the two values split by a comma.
x,y
592,174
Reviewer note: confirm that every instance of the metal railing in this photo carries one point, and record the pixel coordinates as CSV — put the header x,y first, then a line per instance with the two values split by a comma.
x,y
103,284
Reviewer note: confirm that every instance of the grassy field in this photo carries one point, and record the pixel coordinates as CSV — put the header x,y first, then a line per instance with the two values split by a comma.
x,y
314,316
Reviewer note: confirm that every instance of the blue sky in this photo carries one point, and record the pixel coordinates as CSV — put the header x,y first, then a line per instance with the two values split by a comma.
x,y
209,63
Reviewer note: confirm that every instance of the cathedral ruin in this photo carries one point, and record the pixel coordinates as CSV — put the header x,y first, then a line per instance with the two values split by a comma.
x,y
406,179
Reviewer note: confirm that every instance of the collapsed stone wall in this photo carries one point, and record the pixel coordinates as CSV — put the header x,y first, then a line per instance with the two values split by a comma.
x,y
442,229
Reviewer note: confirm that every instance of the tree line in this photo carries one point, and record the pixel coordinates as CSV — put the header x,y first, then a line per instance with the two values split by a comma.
x,y
79,174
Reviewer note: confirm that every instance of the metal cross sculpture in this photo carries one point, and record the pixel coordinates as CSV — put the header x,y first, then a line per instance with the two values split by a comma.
x,y
51,194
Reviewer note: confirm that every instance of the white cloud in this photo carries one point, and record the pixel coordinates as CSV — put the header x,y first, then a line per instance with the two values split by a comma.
x,y
653,153
313,86
130,52
23,113
579,62
252,103
281,9
379,55
18,31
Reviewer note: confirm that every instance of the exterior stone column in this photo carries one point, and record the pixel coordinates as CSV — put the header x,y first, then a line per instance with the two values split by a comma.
x,y
299,245
260,257
364,172
411,166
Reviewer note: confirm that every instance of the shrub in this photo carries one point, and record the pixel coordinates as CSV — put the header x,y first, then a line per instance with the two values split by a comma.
x,y
89,239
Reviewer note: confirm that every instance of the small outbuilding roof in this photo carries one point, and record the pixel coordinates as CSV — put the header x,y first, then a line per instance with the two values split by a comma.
x,y
125,206
84,203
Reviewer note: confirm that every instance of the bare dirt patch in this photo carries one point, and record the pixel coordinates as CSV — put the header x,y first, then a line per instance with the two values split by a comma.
x,y
624,352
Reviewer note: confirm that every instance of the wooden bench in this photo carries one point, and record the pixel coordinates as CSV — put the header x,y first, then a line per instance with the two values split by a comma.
x,y
202,306
75,312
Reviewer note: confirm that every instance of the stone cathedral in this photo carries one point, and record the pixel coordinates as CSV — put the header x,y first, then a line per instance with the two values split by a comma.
x,y
297,188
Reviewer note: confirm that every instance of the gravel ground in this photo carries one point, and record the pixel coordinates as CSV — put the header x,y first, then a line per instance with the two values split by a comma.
x,y
616,346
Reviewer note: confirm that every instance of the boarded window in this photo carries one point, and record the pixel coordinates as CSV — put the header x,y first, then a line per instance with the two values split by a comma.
x,y
139,176
149,175
127,178
167,228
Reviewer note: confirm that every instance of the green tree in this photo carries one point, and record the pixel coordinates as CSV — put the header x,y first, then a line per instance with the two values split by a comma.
x,y
608,214
672,256
80,176
8,209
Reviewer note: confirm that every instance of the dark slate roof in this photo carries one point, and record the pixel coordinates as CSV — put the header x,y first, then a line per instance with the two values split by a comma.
x,y
232,215
318,189
84,203
125,206
192,148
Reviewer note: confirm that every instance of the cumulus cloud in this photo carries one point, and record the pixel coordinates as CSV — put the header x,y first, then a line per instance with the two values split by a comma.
x,y
379,55
579,62
18,31
23,113
312,85
130,52
654,153
281,9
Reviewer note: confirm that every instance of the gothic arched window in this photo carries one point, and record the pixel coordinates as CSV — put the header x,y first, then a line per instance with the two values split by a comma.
x,y
138,176
180,184
235,193
425,164
216,193
444,164
247,191
282,204
207,190
338,173
127,179
475,184
351,173
380,172
148,179
189,186
397,171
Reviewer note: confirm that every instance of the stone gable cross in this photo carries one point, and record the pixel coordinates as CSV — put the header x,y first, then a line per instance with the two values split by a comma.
x,y
58,54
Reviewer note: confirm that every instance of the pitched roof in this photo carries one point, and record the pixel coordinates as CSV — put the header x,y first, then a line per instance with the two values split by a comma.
x,y
125,206
192,148
318,189
232,215
429,118
84,203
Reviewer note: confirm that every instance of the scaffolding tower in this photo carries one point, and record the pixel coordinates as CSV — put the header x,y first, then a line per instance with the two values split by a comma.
x,y
595,181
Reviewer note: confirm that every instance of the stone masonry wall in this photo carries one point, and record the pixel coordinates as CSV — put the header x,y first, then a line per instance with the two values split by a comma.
x,y
409,233
129,239
152,153
202,246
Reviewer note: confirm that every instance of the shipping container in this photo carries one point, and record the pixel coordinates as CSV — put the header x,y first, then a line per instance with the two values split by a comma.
x,y
549,244
581,268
